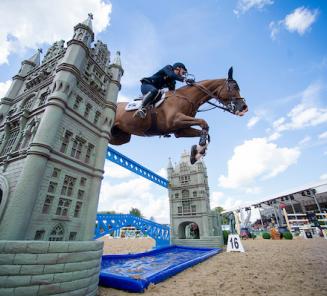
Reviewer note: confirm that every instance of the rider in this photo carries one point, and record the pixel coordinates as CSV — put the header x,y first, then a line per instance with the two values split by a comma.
x,y
164,78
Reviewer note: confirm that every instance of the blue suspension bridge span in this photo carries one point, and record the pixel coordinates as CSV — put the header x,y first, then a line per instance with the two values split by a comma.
x,y
112,223
135,167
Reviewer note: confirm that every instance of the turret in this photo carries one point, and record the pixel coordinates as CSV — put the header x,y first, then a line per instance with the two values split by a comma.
x,y
79,47
84,32
170,169
31,63
116,72
18,81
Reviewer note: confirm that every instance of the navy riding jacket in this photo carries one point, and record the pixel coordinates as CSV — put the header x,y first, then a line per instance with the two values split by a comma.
x,y
166,77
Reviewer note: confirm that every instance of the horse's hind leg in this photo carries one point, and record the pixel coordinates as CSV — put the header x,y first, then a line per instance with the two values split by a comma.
x,y
119,137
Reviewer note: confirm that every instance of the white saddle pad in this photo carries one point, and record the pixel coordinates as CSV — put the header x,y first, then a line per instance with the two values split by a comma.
x,y
132,106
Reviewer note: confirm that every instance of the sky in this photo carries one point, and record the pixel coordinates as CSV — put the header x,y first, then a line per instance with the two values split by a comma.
x,y
278,50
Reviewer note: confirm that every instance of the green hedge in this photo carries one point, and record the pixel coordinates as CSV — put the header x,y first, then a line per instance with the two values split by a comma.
x,y
266,235
287,235
225,236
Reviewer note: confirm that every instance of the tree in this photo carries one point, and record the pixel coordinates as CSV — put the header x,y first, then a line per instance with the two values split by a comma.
x,y
219,209
136,212
107,212
224,219
152,219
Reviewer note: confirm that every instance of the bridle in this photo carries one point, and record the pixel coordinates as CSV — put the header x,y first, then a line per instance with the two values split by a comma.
x,y
231,106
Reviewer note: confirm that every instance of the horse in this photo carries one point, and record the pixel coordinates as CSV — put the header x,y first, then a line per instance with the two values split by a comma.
x,y
176,115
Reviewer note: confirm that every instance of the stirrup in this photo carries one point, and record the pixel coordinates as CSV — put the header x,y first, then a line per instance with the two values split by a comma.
x,y
141,113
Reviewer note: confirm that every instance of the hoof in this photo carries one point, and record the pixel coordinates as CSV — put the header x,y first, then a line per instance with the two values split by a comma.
x,y
194,151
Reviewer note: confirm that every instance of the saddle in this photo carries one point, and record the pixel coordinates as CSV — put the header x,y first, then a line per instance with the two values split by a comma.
x,y
136,103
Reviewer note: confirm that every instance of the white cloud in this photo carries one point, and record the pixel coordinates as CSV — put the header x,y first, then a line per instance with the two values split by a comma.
x,y
274,28
302,116
245,5
305,140
323,135
215,198
300,21
253,121
323,177
142,54
38,22
4,86
312,93
137,193
162,172
274,136
122,98
231,203
307,113
257,158
253,190
278,122
113,170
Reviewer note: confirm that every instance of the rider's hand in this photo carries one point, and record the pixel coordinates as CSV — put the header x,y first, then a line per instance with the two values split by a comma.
x,y
189,80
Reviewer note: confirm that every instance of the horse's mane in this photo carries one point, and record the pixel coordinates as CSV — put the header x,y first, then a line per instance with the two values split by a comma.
x,y
202,81
188,85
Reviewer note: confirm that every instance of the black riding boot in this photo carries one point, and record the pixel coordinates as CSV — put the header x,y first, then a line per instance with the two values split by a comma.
x,y
141,112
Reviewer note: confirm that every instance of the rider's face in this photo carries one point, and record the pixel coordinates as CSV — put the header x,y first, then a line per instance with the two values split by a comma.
x,y
180,71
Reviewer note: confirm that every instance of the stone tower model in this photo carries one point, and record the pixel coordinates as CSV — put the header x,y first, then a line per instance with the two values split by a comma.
x,y
191,220
55,124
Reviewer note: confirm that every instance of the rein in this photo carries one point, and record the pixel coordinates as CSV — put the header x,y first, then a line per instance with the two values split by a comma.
x,y
215,106
212,95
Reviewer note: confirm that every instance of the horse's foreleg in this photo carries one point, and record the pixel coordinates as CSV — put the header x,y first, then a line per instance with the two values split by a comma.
x,y
198,151
182,121
188,133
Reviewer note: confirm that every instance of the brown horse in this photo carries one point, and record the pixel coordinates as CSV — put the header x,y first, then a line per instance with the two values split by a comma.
x,y
176,114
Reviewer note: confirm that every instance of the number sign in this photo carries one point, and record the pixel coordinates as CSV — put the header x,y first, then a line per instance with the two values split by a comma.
x,y
234,243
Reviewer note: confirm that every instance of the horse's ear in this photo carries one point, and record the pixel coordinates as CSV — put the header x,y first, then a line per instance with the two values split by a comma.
x,y
230,73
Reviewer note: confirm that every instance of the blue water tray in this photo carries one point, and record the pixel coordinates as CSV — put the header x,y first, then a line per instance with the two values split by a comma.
x,y
134,272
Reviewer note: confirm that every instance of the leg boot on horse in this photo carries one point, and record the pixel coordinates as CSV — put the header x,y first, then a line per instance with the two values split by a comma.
x,y
141,111
150,93
198,151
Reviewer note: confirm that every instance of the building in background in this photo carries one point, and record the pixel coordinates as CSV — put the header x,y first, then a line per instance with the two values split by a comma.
x,y
191,220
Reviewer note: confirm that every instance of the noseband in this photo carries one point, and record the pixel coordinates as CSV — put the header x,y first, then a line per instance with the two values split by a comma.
x,y
231,105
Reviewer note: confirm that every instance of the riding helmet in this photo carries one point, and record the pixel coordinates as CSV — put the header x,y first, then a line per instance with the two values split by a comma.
x,y
179,65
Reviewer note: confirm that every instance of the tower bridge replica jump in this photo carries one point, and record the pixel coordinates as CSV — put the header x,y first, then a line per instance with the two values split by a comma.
x,y
55,123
